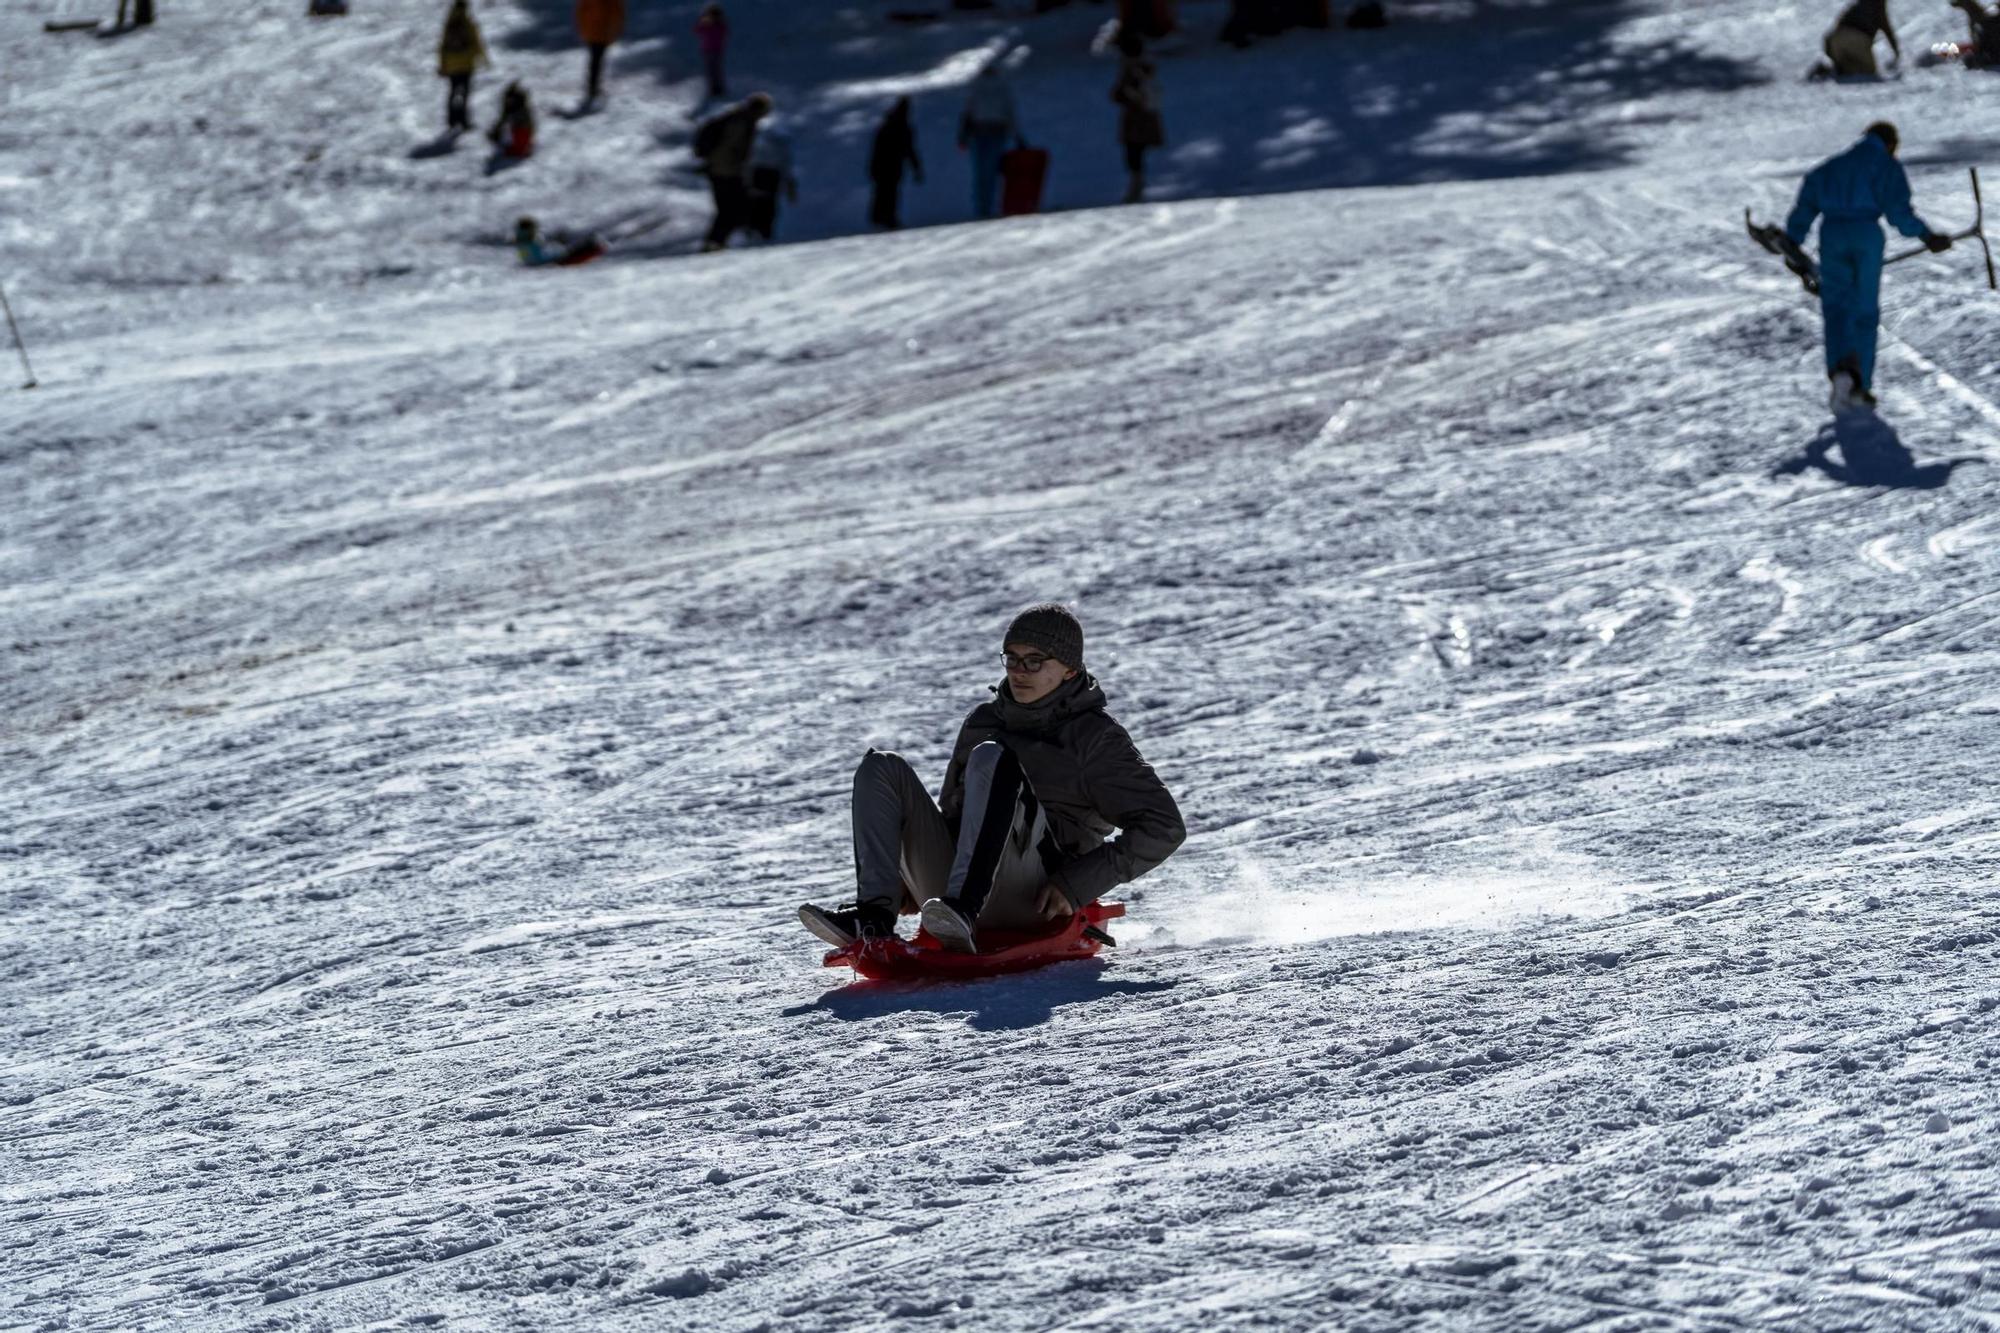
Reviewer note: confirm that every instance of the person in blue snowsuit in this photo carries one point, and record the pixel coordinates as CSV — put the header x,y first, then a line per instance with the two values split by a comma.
x,y
1850,193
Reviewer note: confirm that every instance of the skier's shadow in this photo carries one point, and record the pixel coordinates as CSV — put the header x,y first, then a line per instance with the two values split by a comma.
x,y
1871,454
443,146
996,1004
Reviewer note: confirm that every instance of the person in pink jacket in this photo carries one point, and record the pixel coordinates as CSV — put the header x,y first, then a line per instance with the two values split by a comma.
x,y
711,33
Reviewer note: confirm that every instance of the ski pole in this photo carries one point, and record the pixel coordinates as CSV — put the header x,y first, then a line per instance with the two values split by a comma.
x,y
19,345
1923,250
1977,231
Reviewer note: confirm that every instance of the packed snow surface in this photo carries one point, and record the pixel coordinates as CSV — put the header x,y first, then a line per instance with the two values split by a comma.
x,y
429,687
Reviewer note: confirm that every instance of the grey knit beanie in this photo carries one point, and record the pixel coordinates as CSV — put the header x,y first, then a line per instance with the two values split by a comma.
x,y
1051,627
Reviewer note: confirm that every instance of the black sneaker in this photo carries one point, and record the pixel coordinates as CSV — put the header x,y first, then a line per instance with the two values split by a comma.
x,y
856,921
949,926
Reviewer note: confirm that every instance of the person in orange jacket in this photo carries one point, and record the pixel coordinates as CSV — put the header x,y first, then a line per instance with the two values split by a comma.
x,y
599,23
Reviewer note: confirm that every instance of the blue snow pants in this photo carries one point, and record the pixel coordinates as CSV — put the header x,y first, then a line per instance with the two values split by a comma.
x,y
1850,285
986,147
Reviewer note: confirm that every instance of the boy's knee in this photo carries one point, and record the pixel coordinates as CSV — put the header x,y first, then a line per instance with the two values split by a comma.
x,y
989,757
880,764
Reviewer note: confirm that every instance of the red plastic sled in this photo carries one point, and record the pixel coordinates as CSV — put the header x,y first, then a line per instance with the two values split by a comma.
x,y
923,958
1022,171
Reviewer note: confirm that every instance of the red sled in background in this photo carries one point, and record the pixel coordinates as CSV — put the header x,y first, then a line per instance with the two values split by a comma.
x,y
1001,951
1022,171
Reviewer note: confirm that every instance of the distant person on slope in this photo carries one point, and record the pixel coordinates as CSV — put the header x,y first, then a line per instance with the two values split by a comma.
x,y
895,147
770,177
1852,192
1851,43
711,34
599,23
986,128
1040,779
513,132
1140,125
1983,46
461,51
724,144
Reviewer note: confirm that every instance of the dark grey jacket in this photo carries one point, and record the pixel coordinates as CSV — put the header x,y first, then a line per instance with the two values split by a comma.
x,y
1089,778
735,138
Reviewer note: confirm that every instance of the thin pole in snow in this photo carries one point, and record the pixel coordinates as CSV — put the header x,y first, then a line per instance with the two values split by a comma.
x,y
1979,229
1976,232
19,345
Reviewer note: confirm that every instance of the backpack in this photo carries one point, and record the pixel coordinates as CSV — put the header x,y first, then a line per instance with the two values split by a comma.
x,y
708,137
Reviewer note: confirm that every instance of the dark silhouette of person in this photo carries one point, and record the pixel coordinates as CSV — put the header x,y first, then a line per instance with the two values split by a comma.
x,y
894,149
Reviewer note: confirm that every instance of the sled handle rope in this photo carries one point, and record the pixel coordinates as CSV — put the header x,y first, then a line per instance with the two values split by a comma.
x,y
1976,232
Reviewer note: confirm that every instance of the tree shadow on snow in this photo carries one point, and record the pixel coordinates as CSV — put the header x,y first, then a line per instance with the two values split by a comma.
x,y
997,1004
1447,92
1955,151
1510,90
1871,454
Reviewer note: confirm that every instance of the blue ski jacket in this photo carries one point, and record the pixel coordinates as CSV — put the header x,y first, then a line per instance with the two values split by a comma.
x,y
1861,185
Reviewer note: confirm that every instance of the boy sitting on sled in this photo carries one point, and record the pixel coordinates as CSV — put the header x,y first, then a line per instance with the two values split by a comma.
x,y
1022,833
537,250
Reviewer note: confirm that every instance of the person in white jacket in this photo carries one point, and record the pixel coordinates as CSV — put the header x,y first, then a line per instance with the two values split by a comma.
x,y
986,129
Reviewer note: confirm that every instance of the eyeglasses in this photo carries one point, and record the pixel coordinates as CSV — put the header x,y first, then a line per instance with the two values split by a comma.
x,y
1032,663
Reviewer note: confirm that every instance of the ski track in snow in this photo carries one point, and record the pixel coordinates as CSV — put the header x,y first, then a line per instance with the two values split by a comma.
x,y
429,698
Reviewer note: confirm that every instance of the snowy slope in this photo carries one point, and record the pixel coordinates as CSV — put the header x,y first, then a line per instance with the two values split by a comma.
x,y
429,691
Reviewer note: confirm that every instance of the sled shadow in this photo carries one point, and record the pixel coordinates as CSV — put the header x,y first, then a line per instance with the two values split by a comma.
x,y
443,146
996,1004
1871,454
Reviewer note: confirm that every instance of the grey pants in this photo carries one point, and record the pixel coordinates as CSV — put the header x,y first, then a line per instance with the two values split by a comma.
x,y
903,849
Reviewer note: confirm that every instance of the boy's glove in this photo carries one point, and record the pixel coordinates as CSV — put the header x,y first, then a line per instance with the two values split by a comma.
x,y
1053,904
1936,242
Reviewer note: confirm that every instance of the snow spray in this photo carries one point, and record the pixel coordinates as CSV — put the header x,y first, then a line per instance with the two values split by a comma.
x,y
1266,905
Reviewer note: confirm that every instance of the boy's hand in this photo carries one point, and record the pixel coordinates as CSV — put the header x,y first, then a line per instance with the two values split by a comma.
x,y
1053,904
